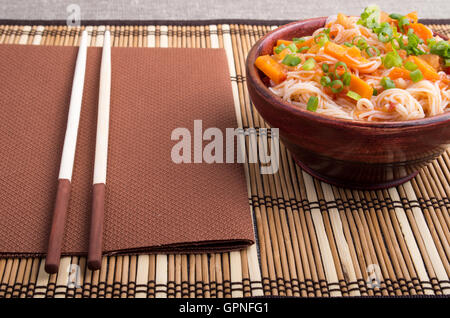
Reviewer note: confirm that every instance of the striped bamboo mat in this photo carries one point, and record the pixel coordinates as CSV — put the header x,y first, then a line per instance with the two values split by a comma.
x,y
313,239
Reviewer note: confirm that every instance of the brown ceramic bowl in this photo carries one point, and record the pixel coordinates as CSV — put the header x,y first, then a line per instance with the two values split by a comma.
x,y
348,153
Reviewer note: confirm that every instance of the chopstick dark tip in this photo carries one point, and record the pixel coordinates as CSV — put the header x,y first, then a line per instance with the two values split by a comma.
x,y
96,230
94,264
51,268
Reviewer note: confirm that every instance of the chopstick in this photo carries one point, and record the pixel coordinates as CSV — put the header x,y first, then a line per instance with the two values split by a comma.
x,y
67,160
101,158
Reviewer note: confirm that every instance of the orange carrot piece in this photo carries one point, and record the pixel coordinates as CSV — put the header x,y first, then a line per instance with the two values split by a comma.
x,y
279,42
314,49
422,31
271,68
398,72
432,59
412,16
343,53
343,20
309,42
280,56
285,42
361,87
427,70
384,17
335,50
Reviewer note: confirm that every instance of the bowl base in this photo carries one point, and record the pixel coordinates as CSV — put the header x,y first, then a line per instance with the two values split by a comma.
x,y
355,185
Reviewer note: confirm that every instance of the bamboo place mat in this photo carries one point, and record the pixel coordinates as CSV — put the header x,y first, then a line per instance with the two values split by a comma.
x,y
313,239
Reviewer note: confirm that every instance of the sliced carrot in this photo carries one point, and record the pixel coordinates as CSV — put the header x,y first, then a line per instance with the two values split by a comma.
x,y
280,56
335,50
361,87
271,68
427,70
314,49
343,53
432,59
421,30
309,42
398,72
353,51
343,20
384,17
285,42
279,42
412,16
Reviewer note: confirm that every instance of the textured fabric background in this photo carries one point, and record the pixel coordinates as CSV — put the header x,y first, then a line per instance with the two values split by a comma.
x,y
151,202
210,9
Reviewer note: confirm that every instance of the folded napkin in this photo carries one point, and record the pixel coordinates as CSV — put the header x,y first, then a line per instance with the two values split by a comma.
x,y
152,204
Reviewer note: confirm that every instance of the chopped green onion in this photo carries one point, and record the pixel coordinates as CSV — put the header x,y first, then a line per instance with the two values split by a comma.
x,y
303,48
325,81
309,64
291,60
336,66
354,95
413,42
392,59
402,22
321,39
327,31
395,16
399,44
372,50
325,67
370,18
387,83
441,48
346,78
280,48
375,92
410,66
337,86
385,32
357,38
298,40
292,47
431,42
348,44
313,102
416,75
360,42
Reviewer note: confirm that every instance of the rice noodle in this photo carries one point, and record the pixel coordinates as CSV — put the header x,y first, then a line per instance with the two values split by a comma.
x,y
408,101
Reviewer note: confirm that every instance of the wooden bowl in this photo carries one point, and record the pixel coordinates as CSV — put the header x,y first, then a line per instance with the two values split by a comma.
x,y
355,154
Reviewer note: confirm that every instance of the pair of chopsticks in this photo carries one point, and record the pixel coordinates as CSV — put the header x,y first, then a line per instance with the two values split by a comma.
x,y
68,156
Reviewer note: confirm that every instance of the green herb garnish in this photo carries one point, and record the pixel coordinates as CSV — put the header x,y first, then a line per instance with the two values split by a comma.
x,y
337,86
313,102
387,83
410,66
354,95
280,48
325,81
309,64
416,75
392,59
291,60
292,47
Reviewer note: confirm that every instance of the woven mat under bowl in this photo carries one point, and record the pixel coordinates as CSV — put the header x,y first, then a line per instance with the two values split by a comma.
x,y
313,239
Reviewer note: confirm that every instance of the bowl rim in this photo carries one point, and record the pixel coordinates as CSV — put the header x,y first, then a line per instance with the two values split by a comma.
x,y
262,89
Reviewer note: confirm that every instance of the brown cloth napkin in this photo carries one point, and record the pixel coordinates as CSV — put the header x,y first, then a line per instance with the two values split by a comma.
x,y
152,204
